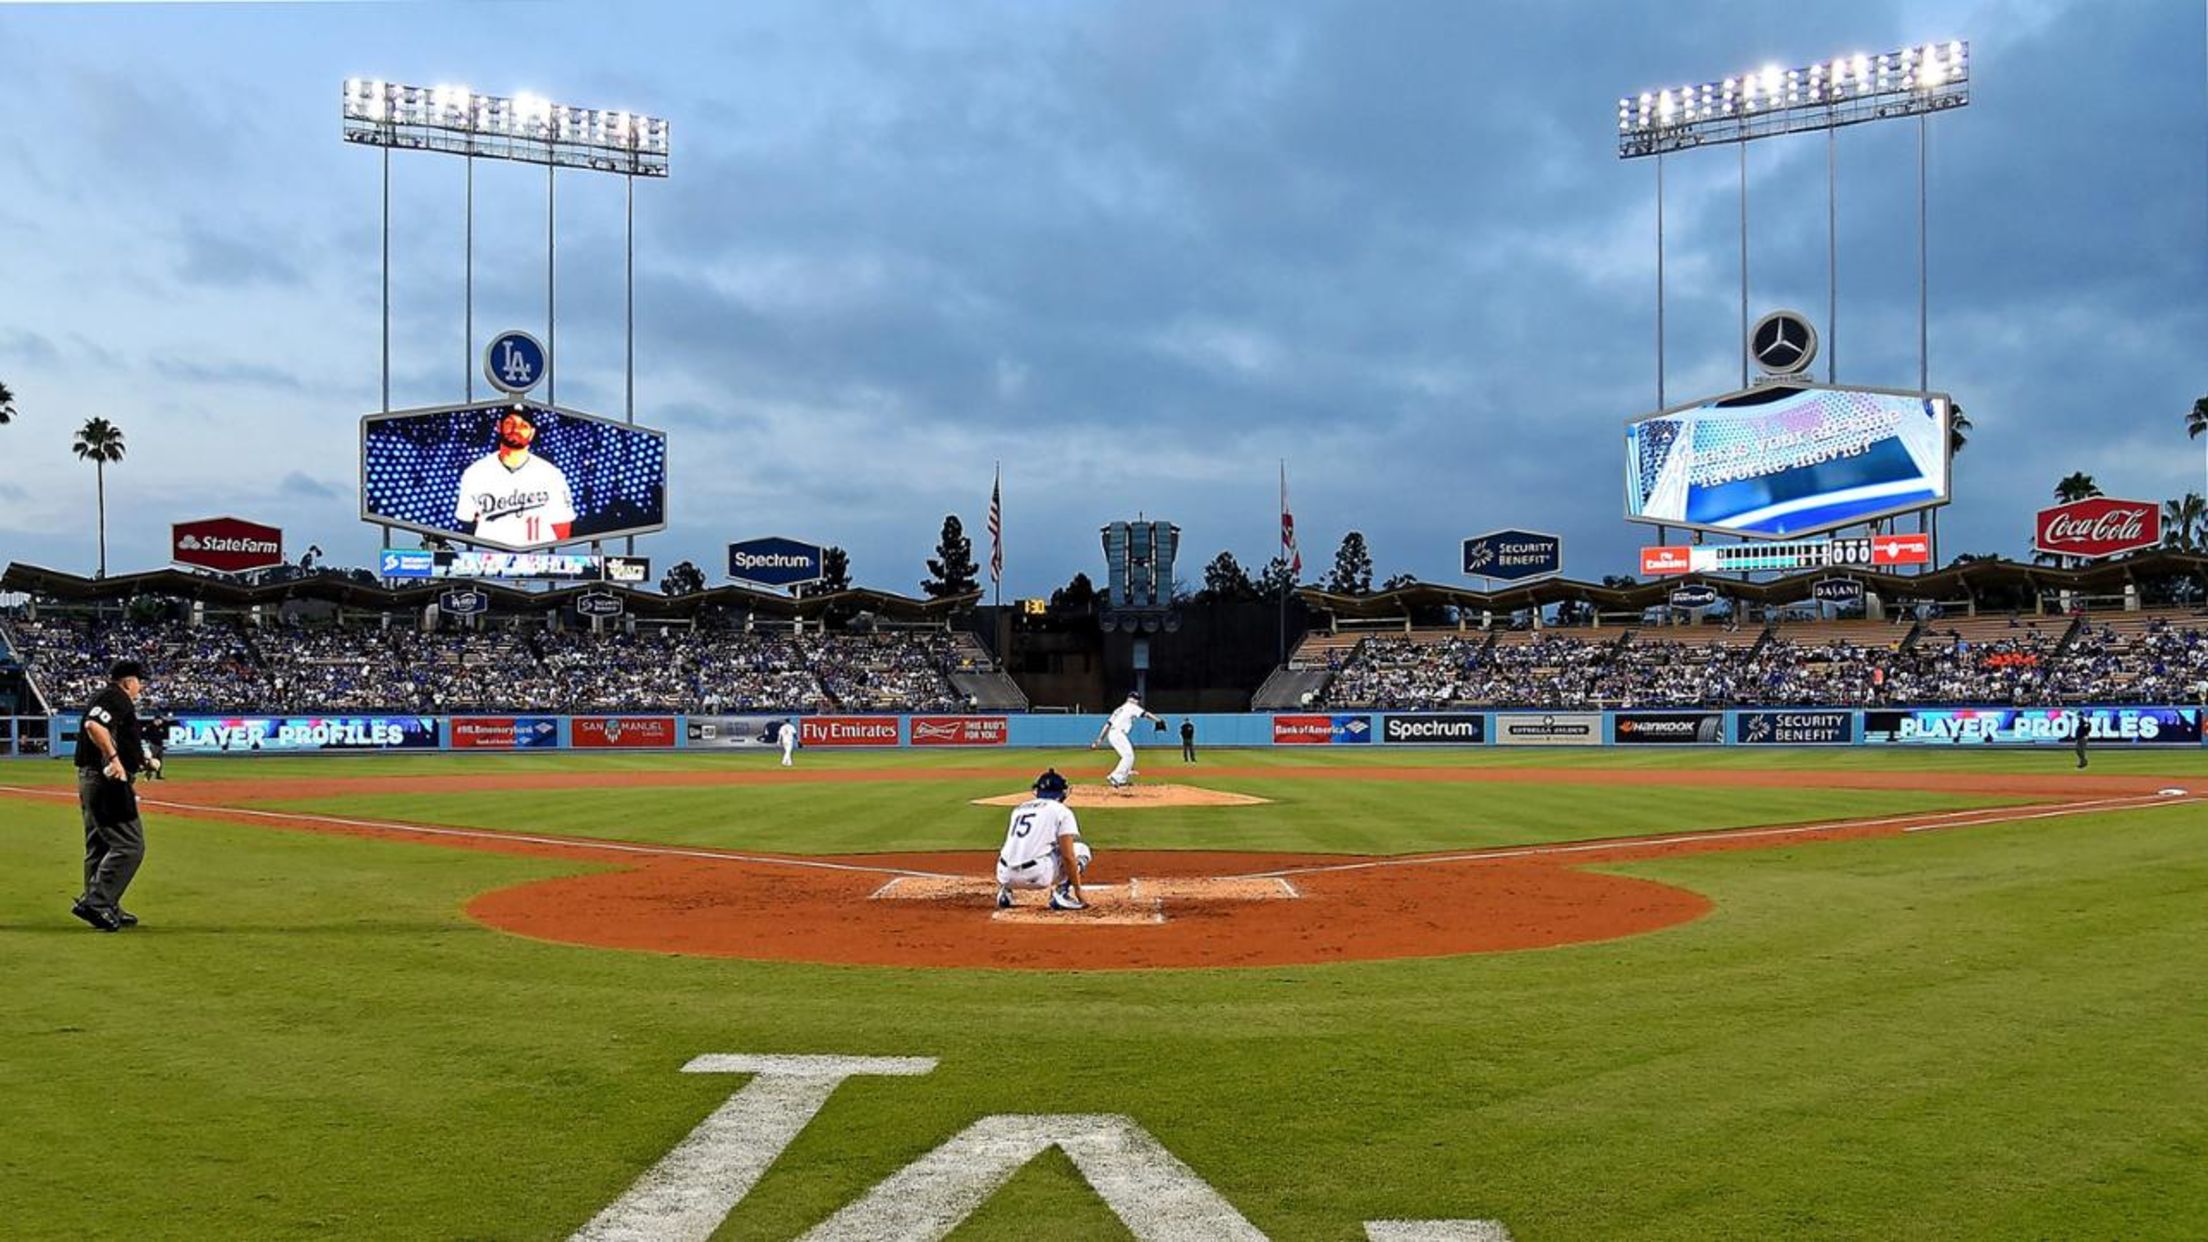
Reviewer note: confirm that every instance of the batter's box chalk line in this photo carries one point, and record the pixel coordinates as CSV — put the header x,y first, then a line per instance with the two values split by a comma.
x,y
1139,902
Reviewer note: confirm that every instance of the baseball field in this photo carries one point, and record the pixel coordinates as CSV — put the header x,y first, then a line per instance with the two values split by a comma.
x,y
1401,995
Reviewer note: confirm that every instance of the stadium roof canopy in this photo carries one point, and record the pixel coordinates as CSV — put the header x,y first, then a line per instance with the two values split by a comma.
x,y
363,593
1963,581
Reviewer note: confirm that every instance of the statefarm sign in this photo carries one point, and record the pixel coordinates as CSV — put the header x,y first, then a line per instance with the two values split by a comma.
x,y
2097,528
231,545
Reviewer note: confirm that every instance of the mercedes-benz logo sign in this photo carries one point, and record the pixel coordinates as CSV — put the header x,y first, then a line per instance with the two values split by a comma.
x,y
1783,343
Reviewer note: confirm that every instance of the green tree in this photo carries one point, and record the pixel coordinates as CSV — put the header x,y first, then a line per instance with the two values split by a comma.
x,y
1958,430
2196,419
835,573
684,579
100,442
2078,486
1226,580
951,571
1397,582
1275,581
1076,596
7,406
2182,522
1352,573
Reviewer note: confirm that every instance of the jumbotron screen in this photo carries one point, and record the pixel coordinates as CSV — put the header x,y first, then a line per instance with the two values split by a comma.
x,y
1785,461
513,475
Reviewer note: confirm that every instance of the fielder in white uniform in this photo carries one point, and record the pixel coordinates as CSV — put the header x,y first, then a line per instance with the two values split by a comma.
x,y
1115,732
515,498
788,740
1043,848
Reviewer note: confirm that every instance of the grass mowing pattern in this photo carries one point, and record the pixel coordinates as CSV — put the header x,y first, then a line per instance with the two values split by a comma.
x,y
1991,1032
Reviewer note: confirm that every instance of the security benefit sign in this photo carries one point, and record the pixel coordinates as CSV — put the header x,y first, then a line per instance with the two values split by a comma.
x,y
2051,726
299,735
227,544
776,562
1548,729
1513,555
1436,729
1790,728
1671,728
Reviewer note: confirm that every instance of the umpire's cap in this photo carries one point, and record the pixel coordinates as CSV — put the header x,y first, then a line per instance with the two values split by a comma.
x,y
1051,785
126,668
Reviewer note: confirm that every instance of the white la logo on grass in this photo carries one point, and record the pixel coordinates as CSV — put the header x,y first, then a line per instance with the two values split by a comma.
x,y
687,1195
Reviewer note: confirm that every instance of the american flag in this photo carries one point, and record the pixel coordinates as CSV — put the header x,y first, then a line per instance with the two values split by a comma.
x,y
996,528
1289,552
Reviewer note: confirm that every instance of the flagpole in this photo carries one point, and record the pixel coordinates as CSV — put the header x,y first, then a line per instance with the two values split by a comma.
x,y
996,535
1283,638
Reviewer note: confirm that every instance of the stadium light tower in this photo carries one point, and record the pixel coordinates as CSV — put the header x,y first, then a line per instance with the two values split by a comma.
x,y
527,129
1768,102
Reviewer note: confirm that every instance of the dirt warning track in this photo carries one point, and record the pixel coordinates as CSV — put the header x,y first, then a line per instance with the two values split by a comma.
x,y
1164,909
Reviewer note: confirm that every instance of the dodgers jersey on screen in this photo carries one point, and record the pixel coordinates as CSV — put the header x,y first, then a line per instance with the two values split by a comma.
x,y
518,507
1036,826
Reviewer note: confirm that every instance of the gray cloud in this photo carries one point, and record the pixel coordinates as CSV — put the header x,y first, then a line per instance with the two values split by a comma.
x,y
298,484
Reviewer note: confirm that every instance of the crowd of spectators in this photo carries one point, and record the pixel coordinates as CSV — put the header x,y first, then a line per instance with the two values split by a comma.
x,y
2027,664
221,667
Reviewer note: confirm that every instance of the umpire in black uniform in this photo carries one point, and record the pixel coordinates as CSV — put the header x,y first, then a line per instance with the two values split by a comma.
x,y
110,753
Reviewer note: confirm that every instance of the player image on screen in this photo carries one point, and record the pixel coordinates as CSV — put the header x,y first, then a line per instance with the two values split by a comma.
x,y
1786,461
512,497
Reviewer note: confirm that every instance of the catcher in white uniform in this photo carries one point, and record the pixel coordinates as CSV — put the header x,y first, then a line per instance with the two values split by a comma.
x,y
1043,848
511,497
1115,732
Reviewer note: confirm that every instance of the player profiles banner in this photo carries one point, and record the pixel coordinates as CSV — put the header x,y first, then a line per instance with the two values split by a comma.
x,y
1548,728
847,731
512,474
736,732
622,732
1671,728
1434,730
2039,726
1789,728
961,731
504,732
1783,461
299,735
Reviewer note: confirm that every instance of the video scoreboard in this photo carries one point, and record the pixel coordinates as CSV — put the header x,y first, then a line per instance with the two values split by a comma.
x,y
1875,552
514,566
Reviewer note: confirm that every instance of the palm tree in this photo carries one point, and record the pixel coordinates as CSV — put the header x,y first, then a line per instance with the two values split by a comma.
x,y
2182,520
2079,486
2196,420
1958,428
100,442
7,406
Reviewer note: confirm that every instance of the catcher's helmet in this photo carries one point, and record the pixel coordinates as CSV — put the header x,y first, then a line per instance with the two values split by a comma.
x,y
1051,785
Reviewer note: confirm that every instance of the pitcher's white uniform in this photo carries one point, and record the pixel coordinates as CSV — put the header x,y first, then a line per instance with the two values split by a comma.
x,y
1115,734
516,507
788,740
1029,858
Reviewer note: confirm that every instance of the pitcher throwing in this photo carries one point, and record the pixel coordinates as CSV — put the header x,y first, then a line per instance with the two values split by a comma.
x,y
1115,732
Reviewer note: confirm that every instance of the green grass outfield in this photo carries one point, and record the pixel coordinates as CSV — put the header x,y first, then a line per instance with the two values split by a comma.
x,y
1996,1032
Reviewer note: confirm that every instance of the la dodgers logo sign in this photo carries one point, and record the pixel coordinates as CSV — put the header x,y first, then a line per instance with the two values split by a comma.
x,y
515,362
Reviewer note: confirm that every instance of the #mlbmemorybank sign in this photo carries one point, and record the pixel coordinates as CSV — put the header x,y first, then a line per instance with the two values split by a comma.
x,y
1548,729
776,562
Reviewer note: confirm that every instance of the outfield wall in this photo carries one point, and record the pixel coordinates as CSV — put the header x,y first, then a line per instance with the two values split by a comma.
x,y
1913,727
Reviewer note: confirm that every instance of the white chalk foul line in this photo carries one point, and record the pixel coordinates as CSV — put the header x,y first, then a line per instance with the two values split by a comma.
x,y
1972,818
484,834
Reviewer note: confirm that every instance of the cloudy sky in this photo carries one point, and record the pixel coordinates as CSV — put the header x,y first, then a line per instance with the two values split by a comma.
x,y
1139,252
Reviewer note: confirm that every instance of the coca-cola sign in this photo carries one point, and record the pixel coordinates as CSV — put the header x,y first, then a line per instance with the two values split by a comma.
x,y
229,544
2096,528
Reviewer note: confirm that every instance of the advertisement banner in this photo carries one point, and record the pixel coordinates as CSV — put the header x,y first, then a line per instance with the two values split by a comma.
x,y
299,735
1794,728
2040,726
960,730
1671,728
847,731
624,732
1900,550
1303,730
1548,728
2097,528
1836,591
1513,555
1668,559
1435,730
736,732
776,562
231,545
1352,730
505,732
1694,597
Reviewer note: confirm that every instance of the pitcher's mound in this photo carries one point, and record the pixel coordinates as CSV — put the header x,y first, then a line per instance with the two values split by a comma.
x,y
1098,797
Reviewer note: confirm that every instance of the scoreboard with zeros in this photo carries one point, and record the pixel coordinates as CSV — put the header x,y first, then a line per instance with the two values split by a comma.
x,y
1875,552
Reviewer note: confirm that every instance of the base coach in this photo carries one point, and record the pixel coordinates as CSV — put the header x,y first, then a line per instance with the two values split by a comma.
x,y
110,753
